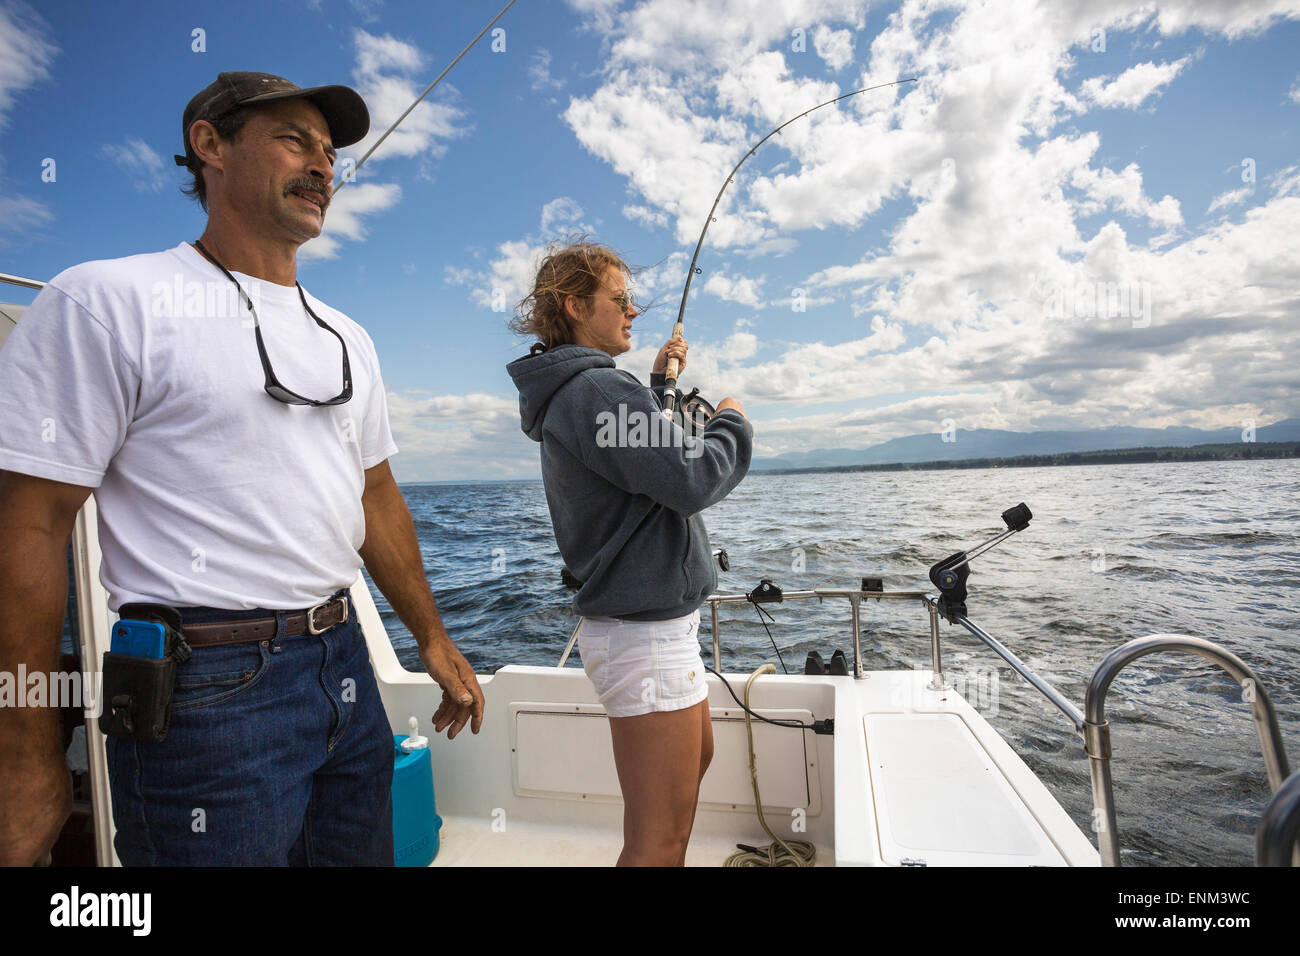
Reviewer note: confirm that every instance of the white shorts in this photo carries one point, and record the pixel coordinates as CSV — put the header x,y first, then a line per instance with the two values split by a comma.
x,y
643,667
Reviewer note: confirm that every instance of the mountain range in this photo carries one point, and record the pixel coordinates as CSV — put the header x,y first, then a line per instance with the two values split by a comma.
x,y
995,443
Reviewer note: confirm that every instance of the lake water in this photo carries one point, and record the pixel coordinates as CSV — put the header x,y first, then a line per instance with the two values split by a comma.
x,y
1114,552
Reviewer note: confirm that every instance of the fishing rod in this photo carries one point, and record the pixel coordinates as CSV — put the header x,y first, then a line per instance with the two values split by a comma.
x,y
351,174
671,394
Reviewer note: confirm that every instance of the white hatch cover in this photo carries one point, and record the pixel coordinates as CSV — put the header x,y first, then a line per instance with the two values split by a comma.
x,y
941,800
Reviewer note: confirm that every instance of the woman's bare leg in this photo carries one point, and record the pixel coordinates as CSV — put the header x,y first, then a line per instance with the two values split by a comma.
x,y
660,759
706,757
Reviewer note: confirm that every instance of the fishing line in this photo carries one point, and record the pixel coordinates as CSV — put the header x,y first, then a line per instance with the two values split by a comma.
x,y
761,611
352,173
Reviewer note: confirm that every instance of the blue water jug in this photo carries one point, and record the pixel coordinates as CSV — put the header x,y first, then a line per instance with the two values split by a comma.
x,y
415,813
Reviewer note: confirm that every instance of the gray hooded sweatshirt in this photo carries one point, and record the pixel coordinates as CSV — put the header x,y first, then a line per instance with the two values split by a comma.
x,y
625,487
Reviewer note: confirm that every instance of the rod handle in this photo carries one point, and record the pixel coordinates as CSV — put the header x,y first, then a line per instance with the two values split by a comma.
x,y
671,373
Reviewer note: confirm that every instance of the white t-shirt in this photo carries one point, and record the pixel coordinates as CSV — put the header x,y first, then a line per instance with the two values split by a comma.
x,y
140,378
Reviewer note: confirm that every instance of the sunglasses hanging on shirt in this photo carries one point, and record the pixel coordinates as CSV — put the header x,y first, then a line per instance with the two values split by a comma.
x,y
273,386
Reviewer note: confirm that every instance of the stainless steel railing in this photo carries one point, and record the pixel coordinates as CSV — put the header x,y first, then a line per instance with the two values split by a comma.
x,y
854,597
1279,827
1096,731
19,280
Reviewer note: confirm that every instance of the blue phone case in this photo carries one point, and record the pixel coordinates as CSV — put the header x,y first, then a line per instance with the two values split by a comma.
x,y
139,639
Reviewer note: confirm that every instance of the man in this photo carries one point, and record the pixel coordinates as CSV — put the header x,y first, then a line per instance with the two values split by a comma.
x,y
240,477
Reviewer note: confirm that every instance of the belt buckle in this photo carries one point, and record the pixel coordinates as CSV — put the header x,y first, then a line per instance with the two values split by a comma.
x,y
311,616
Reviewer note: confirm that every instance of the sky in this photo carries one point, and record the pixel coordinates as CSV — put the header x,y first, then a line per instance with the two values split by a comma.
x,y
1080,215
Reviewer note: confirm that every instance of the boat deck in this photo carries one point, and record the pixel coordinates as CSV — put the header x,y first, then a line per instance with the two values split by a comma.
x,y
910,777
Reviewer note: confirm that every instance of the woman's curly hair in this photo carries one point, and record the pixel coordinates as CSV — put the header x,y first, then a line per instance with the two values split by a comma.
x,y
575,268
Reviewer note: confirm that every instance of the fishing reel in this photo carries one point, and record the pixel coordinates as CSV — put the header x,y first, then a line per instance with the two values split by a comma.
x,y
692,412
949,575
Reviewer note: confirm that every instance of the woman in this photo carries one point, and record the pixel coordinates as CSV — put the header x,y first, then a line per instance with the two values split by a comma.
x,y
625,489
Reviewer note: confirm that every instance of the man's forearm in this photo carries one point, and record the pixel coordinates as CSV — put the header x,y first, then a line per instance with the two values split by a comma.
x,y
35,792
392,556
34,595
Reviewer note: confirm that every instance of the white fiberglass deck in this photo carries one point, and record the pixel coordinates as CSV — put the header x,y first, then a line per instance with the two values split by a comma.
x,y
910,776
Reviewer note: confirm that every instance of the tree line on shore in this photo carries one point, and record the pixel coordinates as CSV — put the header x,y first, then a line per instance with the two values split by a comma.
x,y
1230,451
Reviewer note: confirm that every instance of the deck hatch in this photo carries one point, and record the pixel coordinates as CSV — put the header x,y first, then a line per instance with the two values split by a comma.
x,y
939,796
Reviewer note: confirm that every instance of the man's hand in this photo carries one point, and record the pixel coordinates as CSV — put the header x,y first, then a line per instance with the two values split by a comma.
x,y
462,698
673,348
38,800
392,556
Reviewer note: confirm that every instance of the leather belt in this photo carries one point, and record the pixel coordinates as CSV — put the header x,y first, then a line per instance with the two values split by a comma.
x,y
314,620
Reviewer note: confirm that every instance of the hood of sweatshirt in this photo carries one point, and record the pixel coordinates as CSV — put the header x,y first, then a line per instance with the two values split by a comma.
x,y
539,377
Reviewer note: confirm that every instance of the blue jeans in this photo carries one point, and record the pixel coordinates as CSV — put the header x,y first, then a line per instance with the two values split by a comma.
x,y
279,753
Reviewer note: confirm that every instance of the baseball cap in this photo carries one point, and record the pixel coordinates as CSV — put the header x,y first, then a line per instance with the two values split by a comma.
x,y
342,107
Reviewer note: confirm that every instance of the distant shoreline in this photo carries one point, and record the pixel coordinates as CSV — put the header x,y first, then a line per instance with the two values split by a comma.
x,y
1233,451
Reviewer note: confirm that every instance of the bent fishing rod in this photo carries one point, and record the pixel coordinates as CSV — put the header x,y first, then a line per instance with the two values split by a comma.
x,y
351,174
671,394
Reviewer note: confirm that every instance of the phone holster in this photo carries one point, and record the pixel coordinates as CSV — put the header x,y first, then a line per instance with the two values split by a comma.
x,y
137,691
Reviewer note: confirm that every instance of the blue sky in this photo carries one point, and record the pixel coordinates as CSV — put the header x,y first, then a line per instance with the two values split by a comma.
x,y
928,252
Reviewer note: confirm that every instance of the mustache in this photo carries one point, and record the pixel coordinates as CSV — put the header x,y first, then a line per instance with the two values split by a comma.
x,y
309,185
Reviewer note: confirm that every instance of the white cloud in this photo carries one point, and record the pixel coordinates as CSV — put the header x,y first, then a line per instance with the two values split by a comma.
x,y
1230,198
1235,19
562,216
141,163
654,218
1293,94
1123,190
1132,87
344,218
367,10
599,14
459,436
833,46
508,278
389,75
742,290
510,275
26,53
19,217
1286,181
663,278
740,346
539,71
667,57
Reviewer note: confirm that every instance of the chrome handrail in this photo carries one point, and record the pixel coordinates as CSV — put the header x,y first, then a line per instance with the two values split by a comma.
x,y
19,280
1279,827
855,598
931,602
1047,690
1097,730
